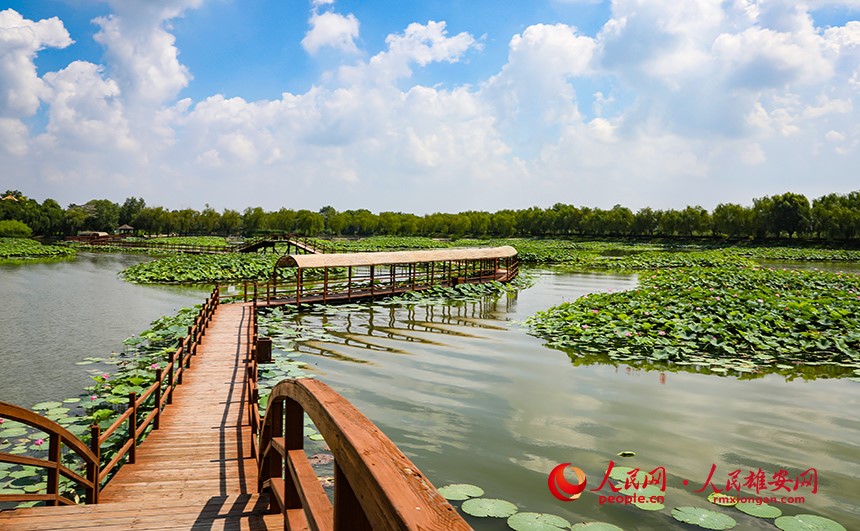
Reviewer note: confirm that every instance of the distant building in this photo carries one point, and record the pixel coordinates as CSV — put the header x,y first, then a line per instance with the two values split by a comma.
x,y
126,230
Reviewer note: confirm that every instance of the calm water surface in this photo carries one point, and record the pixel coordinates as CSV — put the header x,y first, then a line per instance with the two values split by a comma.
x,y
54,314
471,398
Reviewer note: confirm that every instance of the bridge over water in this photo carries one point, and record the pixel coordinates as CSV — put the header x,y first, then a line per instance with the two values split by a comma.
x,y
212,462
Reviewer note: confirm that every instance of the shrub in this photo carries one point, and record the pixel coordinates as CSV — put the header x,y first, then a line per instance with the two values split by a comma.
x,y
11,228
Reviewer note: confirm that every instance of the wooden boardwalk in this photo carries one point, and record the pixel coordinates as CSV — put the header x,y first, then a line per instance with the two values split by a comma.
x,y
197,470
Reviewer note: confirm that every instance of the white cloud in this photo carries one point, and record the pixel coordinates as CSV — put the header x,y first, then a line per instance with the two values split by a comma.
x,y
20,40
143,58
331,30
669,103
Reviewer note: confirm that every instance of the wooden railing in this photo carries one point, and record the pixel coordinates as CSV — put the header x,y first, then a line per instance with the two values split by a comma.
x,y
161,393
375,485
173,247
58,437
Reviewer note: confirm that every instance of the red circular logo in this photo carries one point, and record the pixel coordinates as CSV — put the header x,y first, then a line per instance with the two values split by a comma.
x,y
561,488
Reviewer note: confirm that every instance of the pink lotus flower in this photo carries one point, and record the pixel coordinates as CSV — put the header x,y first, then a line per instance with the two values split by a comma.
x,y
93,397
154,366
719,299
39,442
595,311
2,421
661,333
106,376
628,334
585,327
760,301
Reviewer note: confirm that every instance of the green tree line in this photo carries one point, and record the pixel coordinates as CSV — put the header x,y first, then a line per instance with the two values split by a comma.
x,y
788,215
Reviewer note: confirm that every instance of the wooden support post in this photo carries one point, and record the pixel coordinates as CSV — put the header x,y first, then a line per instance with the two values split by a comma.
x,y
93,469
132,427
54,472
348,513
325,285
392,276
349,283
298,286
371,281
158,374
180,367
170,380
264,350
245,286
293,440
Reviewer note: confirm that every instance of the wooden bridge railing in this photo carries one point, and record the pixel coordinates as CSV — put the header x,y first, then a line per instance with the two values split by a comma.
x,y
161,393
58,437
375,485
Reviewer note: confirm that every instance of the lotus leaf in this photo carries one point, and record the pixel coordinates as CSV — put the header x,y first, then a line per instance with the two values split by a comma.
x,y
722,499
460,491
537,522
704,518
807,522
488,507
759,510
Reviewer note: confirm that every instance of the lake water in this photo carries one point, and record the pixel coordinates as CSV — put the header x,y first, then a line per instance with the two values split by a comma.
x,y
54,314
470,397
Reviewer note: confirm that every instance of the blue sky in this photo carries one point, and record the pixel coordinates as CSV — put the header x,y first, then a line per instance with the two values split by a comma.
x,y
429,106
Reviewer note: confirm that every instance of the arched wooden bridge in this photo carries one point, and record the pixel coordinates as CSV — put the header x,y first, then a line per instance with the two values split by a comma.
x,y
211,462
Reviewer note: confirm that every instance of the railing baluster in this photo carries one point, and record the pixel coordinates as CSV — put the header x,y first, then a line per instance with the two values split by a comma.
x,y
132,427
54,442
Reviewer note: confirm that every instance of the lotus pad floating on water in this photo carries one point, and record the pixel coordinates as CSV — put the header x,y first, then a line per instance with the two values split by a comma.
x,y
460,491
807,522
488,507
703,518
596,526
759,510
722,499
537,522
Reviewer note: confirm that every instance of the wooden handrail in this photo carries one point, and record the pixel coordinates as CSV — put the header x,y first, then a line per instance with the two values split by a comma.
x,y
376,485
171,375
57,437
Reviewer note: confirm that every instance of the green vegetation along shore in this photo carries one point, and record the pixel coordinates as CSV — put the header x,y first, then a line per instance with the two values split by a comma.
x,y
27,248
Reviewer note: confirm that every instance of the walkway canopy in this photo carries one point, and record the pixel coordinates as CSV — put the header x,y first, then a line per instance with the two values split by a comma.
x,y
346,277
305,261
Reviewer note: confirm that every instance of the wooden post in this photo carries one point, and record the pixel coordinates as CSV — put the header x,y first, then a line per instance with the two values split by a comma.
x,y
348,513
180,367
349,283
325,285
170,381
298,286
293,440
245,285
54,472
264,349
132,427
371,281
158,374
93,470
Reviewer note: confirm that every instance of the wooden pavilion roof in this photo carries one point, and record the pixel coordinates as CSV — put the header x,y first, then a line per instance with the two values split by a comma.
x,y
395,257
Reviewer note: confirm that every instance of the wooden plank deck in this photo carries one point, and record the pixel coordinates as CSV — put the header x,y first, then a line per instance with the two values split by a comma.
x,y
196,471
